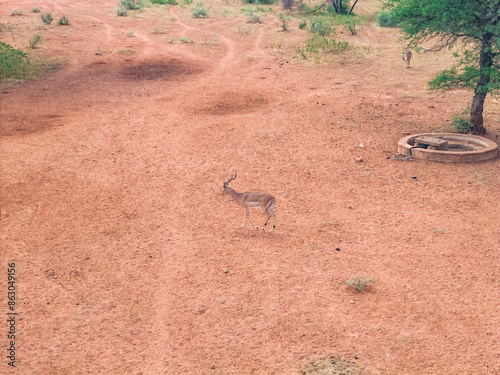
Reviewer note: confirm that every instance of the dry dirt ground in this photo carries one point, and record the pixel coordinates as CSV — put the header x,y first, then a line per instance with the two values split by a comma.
x,y
129,260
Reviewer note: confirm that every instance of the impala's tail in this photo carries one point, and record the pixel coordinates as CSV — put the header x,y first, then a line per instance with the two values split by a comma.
x,y
271,205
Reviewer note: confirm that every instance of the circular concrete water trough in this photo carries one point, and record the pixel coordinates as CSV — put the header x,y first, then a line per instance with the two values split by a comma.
x,y
460,148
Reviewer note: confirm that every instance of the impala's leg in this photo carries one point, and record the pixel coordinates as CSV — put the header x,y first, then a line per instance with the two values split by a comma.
x,y
270,213
268,217
247,216
274,218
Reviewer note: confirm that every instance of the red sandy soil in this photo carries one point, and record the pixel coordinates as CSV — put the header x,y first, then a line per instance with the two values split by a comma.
x,y
129,260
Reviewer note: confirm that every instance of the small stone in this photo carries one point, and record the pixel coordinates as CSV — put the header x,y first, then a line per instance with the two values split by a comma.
x,y
338,249
359,160
225,271
352,301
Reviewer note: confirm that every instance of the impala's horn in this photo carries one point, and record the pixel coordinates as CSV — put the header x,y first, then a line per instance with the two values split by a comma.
x,y
231,179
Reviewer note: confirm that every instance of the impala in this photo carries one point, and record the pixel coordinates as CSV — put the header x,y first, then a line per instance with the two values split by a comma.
x,y
252,200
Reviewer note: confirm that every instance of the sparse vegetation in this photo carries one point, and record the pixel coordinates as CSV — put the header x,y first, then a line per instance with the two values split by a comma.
x,y
165,2
158,31
265,2
254,18
47,18
132,4
317,44
16,12
130,33
127,51
303,24
244,30
35,40
63,21
36,10
461,124
14,63
200,11
386,19
320,27
186,40
350,25
359,282
283,24
330,366
121,11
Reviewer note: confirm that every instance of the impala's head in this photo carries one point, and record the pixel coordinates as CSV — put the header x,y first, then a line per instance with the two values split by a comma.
x,y
227,183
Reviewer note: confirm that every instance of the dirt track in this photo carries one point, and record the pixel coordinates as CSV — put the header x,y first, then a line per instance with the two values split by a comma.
x,y
129,260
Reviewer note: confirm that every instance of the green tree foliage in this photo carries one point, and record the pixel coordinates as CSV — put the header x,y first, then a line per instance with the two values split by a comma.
x,y
473,27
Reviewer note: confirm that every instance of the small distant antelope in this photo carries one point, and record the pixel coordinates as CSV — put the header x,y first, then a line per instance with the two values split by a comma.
x,y
407,57
252,200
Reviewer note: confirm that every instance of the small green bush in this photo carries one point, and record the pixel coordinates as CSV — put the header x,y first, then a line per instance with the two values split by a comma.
x,y
14,63
320,27
121,11
132,4
36,10
63,21
303,24
350,25
47,18
386,19
283,19
316,44
164,2
461,124
16,12
35,40
254,18
200,11
264,2
359,282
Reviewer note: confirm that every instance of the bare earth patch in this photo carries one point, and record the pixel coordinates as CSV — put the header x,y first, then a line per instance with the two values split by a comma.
x,y
129,260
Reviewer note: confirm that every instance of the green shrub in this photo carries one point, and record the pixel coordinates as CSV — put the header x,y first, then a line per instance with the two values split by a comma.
x,y
461,124
254,18
35,40
47,18
121,11
14,63
320,27
200,11
350,25
16,12
386,19
303,24
284,24
359,282
132,4
63,21
316,44
163,2
265,2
